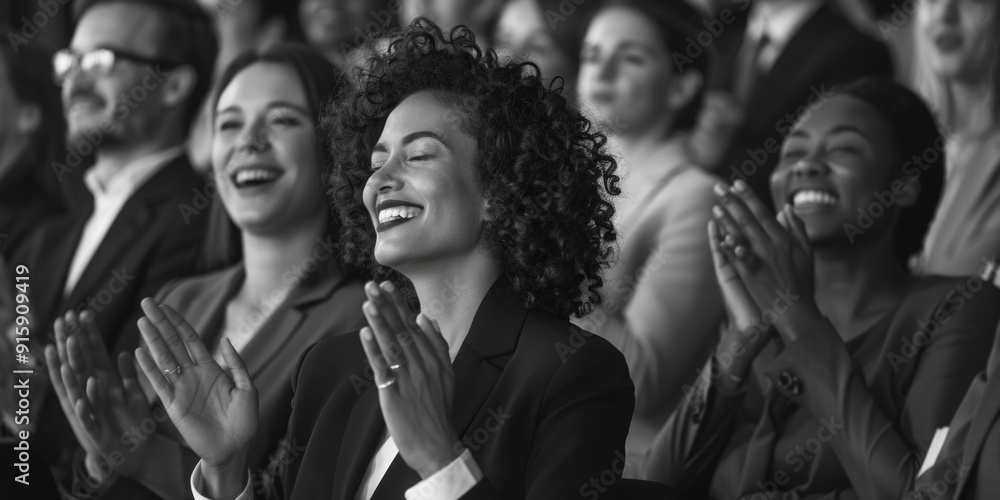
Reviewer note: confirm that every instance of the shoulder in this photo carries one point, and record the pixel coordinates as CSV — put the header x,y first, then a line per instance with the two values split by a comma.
x,y
952,297
187,290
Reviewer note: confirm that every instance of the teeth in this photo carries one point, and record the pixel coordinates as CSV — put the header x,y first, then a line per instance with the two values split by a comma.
x,y
253,174
812,197
391,214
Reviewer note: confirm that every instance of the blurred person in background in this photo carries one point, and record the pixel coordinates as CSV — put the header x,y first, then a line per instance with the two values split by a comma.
x,y
777,59
958,45
241,26
290,292
337,28
32,136
838,365
548,34
481,16
661,307
132,81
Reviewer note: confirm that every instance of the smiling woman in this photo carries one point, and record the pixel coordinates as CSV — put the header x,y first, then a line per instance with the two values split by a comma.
x,y
838,365
483,195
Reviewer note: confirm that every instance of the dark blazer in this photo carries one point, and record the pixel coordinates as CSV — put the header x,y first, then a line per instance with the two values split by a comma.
x,y
25,204
825,418
827,50
326,303
150,242
543,406
968,467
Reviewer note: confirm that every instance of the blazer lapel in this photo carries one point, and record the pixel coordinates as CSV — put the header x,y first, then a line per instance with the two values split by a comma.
x,y
480,362
62,238
363,436
130,223
986,414
276,333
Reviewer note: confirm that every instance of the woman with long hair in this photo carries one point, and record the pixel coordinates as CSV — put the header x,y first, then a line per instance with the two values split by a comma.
x,y
838,365
958,73
289,291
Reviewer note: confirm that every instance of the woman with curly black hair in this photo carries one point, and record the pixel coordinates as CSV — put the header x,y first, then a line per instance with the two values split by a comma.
x,y
482,194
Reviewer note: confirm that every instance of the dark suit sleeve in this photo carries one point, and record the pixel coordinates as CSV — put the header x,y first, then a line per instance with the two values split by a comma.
x,y
685,452
881,456
581,433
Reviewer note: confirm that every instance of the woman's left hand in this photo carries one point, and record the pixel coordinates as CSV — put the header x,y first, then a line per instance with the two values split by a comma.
x,y
414,377
773,257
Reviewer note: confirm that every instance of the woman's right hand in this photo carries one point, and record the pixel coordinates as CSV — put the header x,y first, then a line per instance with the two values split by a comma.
x,y
213,408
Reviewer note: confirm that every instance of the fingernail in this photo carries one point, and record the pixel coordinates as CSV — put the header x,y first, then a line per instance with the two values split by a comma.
x,y
720,190
388,286
371,309
739,186
717,211
366,334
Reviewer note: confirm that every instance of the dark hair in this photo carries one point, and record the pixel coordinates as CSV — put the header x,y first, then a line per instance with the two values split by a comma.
x,y
914,131
321,81
29,70
676,20
188,38
544,170
285,10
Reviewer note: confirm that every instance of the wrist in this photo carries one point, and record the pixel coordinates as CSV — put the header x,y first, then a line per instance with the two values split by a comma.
x,y
226,479
440,461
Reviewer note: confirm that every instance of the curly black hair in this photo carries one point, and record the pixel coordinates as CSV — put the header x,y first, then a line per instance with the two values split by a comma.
x,y
544,170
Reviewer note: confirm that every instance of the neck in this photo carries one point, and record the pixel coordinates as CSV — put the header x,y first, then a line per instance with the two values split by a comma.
x,y
110,161
858,281
970,111
638,146
451,292
269,259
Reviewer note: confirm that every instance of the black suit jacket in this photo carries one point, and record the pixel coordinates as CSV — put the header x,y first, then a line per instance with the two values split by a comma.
x,y
826,51
543,406
969,467
25,203
149,243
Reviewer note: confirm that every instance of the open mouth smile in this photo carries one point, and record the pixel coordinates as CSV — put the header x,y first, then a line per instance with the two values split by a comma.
x,y
254,175
392,213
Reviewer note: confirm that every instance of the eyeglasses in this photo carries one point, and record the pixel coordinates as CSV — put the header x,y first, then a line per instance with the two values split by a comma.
x,y
99,61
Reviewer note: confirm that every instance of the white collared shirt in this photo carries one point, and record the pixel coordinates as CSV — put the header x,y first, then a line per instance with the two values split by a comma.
x,y
108,202
779,22
450,483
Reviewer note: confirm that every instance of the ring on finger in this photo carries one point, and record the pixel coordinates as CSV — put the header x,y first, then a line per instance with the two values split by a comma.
x,y
387,383
397,365
178,370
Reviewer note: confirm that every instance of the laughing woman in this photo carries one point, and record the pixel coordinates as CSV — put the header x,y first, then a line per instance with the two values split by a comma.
x,y
289,292
469,184
839,366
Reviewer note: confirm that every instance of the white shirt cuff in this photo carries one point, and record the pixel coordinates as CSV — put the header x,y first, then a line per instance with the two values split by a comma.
x,y
449,483
246,494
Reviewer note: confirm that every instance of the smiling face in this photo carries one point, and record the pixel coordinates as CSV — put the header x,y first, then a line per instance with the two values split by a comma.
x,y
91,102
625,70
957,36
264,153
424,196
833,163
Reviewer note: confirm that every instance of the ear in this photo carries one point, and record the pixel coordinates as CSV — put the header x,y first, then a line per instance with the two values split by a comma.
x,y
29,118
178,85
683,88
908,193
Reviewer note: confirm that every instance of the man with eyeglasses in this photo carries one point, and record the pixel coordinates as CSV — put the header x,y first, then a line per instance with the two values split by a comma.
x,y
133,78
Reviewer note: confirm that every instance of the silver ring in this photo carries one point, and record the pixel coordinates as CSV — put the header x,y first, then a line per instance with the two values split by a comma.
x,y
387,384
396,366
178,370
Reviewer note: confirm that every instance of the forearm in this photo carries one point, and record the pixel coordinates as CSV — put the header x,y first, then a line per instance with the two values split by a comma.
x,y
226,480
